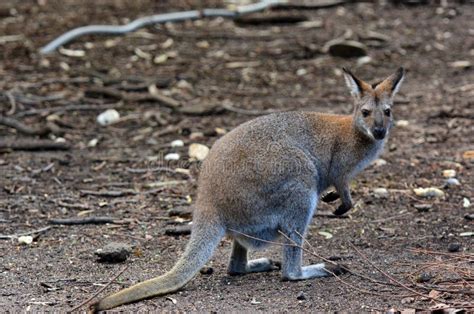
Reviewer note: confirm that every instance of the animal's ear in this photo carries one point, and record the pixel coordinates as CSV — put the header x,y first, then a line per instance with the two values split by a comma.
x,y
391,84
356,86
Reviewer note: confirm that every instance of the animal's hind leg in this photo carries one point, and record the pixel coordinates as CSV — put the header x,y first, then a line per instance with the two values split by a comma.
x,y
300,212
239,264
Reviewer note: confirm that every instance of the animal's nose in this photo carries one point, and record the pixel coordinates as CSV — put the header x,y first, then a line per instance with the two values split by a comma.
x,y
379,132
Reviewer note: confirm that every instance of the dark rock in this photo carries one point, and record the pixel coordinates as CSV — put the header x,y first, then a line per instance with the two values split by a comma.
x,y
469,217
182,211
178,230
301,296
207,270
423,277
114,253
454,247
423,207
345,48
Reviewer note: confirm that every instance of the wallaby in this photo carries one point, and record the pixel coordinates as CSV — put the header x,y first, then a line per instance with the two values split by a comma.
x,y
264,179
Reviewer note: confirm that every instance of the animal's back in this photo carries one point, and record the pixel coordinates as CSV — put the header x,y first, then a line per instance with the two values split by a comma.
x,y
255,166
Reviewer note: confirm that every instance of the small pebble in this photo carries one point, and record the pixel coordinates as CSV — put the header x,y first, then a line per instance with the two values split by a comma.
x,y
402,123
379,162
183,84
301,296
301,72
93,142
428,192
466,203
423,277
25,240
114,252
177,143
451,182
196,136
449,173
423,207
454,247
381,193
207,270
172,156
108,117
198,151
363,60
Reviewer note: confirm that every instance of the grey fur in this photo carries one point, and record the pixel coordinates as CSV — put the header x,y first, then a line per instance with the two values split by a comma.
x,y
266,176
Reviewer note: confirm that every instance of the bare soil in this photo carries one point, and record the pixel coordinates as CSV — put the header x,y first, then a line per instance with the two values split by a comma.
x,y
288,71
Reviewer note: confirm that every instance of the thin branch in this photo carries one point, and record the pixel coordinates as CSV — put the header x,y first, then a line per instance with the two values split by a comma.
x,y
392,278
83,221
23,128
17,235
99,291
293,244
33,145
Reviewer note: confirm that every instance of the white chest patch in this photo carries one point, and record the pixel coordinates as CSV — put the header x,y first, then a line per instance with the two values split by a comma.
x,y
370,156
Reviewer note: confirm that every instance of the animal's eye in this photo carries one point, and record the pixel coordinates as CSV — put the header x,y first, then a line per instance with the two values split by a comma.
x,y
387,112
365,113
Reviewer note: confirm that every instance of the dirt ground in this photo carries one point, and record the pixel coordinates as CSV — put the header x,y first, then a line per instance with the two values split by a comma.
x,y
205,67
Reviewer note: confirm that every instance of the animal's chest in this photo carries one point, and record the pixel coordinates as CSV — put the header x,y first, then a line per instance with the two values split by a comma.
x,y
364,159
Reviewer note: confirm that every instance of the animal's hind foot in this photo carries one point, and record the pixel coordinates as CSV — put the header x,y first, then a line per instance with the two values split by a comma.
x,y
256,266
316,271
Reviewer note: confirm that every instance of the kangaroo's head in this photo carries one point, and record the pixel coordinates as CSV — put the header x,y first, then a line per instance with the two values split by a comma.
x,y
373,103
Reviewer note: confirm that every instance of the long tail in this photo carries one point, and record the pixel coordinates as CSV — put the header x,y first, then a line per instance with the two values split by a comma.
x,y
201,246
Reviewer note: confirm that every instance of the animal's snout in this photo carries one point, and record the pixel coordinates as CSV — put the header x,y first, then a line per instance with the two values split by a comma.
x,y
379,132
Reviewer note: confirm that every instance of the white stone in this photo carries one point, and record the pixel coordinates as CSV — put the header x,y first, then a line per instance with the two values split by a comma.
x,y
93,142
466,203
402,123
449,173
198,151
177,143
172,156
25,240
107,117
379,162
381,192
428,192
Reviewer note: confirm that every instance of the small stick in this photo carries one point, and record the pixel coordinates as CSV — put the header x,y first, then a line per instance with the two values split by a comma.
x,y
99,291
145,170
23,128
109,193
83,221
33,145
17,235
66,108
12,101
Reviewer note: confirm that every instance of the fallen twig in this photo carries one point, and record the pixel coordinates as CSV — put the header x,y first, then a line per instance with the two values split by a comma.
x,y
23,128
99,291
60,109
84,221
155,19
16,235
111,193
33,145
72,205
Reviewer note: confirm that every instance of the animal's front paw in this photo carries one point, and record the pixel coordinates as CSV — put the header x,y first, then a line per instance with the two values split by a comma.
x,y
330,197
336,269
342,209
